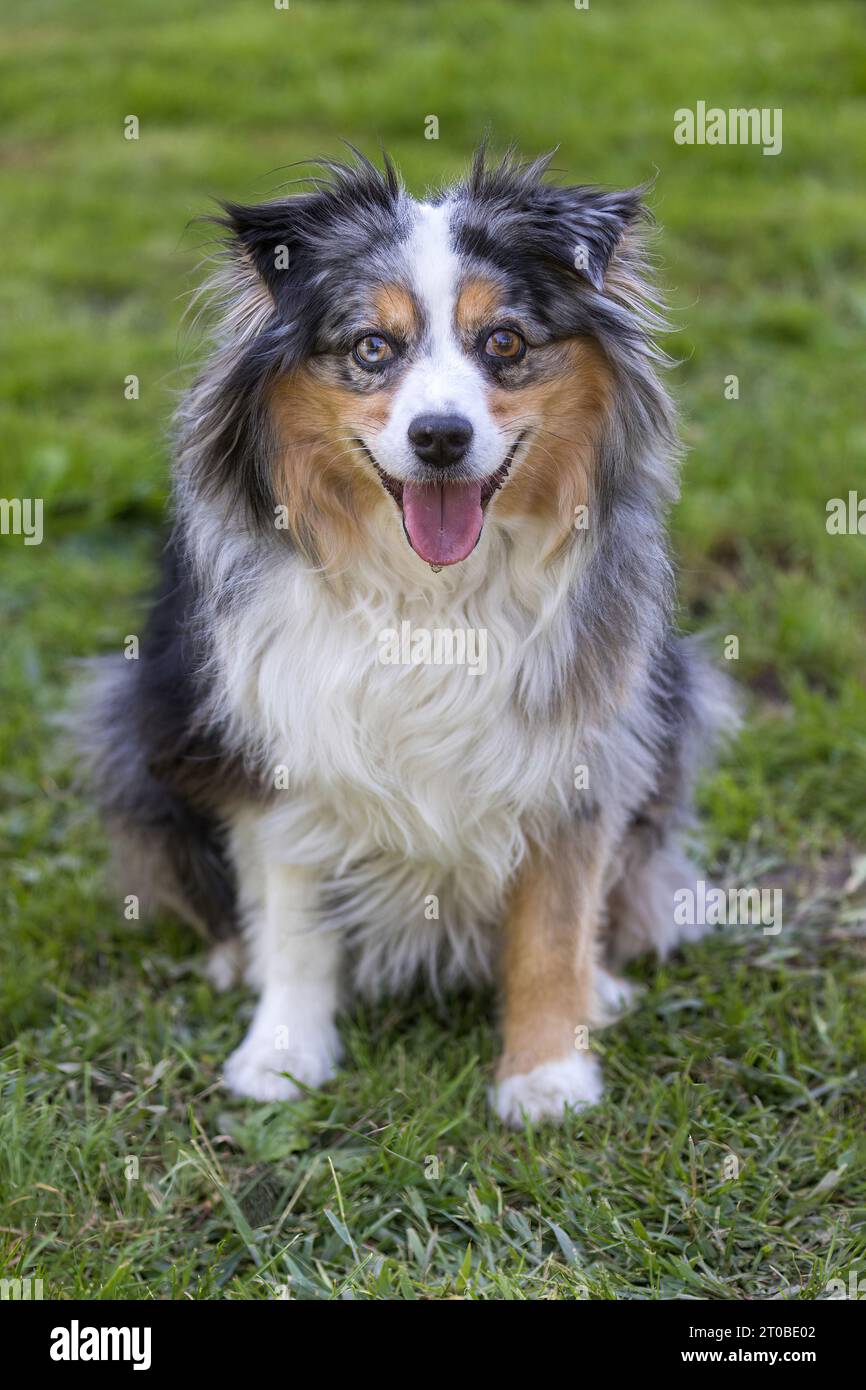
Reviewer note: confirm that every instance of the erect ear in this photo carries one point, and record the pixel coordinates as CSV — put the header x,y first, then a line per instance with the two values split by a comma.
x,y
588,224
266,236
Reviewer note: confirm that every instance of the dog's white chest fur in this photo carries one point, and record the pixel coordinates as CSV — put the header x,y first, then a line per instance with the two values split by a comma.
x,y
409,787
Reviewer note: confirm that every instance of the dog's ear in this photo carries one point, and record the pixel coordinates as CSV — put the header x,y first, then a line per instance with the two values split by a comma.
x,y
573,228
333,224
586,224
266,235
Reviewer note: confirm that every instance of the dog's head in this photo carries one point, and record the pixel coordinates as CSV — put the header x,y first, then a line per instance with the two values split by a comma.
x,y
448,360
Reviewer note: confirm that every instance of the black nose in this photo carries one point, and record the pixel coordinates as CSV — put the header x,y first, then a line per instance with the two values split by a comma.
x,y
440,439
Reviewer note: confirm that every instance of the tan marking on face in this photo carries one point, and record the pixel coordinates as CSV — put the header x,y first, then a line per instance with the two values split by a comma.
x,y
395,312
550,928
321,476
477,305
566,413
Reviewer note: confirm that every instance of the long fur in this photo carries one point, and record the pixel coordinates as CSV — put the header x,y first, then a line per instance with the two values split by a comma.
x,y
258,726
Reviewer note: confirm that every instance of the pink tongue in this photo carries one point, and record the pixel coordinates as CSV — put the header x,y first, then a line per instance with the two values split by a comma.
x,y
443,522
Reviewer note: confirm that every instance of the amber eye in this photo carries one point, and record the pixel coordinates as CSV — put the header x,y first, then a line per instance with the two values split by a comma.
x,y
505,344
372,350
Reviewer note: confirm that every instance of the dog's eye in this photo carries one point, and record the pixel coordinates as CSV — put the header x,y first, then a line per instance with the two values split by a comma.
x,y
505,344
372,350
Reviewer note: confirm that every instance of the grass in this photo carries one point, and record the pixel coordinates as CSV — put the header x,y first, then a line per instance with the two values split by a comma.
x,y
124,1171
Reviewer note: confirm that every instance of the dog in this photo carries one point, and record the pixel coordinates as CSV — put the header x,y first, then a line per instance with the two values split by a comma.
x,y
419,417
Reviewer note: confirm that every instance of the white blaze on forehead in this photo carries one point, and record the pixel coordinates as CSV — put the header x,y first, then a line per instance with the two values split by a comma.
x,y
444,378
435,269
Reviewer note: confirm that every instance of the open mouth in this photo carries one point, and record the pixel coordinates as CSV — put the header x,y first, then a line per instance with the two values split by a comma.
x,y
443,521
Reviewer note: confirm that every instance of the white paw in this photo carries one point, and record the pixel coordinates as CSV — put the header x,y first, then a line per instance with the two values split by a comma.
x,y
255,1068
546,1092
613,996
224,965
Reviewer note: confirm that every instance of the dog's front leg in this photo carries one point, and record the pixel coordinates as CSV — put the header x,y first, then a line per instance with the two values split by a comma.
x,y
548,971
294,960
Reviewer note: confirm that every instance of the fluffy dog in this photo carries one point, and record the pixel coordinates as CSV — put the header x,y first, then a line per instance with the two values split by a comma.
x,y
441,419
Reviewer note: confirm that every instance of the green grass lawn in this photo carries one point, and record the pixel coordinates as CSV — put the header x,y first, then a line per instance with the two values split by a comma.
x,y
124,1170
